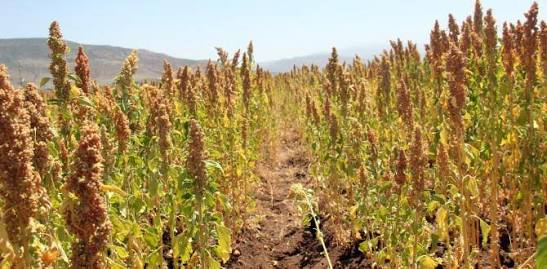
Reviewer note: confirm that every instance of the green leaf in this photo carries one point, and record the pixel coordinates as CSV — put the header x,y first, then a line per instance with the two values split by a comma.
x,y
154,259
151,237
363,246
120,251
214,164
223,248
74,78
85,101
441,219
185,248
44,81
368,245
541,253
432,206
212,263
485,229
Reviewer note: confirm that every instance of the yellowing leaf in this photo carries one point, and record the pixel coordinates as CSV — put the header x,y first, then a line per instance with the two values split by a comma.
x,y
223,248
442,224
112,188
541,227
485,229
426,262
212,263
473,186
353,211
444,137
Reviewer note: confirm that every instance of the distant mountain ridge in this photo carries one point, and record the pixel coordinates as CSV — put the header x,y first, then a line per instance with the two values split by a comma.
x,y
321,59
28,60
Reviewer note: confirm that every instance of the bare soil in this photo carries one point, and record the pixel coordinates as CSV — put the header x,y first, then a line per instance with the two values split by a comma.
x,y
281,239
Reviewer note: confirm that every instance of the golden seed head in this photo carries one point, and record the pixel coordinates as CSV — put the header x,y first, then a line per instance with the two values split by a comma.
x,y
4,78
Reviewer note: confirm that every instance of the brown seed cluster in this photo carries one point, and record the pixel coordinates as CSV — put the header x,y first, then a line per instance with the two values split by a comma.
x,y
529,43
20,186
129,68
213,85
417,162
58,67
543,48
442,162
196,156
235,59
122,129
490,31
184,77
477,17
436,49
454,29
508,51
159,120
167,80
384,87
40,126
404,104
455,67
332,68
400,176
82,70
229,91
87,216
222,56
246,75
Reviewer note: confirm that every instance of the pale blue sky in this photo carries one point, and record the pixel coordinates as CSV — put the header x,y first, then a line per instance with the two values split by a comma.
x,y
279,29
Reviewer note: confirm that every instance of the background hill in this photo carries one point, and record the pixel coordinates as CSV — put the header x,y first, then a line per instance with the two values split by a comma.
x,y
321,59
28,60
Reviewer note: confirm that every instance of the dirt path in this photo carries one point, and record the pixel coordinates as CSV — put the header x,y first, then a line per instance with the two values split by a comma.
x,y
278,238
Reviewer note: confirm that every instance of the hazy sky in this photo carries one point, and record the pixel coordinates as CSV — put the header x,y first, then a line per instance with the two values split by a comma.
x,y
279,28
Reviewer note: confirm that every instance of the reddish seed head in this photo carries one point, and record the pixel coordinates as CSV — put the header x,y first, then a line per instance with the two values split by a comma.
x,y
508,54
455,67
58,67
82,70
454,29
477,18
196,156
400,176
20,184
404,104
490,33
87,219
